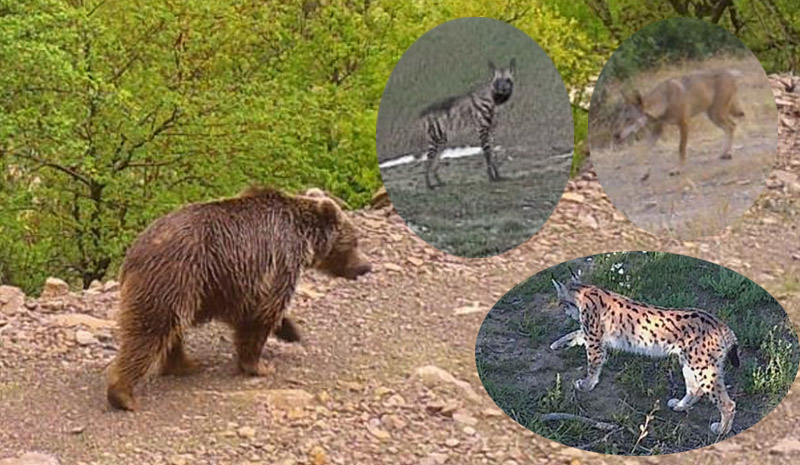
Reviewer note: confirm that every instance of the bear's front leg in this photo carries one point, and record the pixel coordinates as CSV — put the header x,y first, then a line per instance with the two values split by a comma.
x,y
250,337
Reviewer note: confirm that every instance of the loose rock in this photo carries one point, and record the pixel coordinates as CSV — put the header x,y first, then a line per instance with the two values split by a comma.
x,y
11,299
54,287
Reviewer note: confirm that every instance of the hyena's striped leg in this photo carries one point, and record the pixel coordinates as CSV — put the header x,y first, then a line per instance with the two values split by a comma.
x,y
485,133
595,358
693,390
574,338
437,139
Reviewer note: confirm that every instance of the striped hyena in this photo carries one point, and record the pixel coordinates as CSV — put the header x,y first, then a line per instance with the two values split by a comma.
x,y
475,110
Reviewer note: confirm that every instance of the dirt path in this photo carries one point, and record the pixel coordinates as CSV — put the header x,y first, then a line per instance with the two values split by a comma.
x,y
387,371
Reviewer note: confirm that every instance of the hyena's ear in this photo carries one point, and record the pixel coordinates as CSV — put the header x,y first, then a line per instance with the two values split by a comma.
x,y
512,67
492,67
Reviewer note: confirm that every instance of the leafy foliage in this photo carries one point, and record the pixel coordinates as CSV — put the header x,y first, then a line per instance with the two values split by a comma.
x,y
113,113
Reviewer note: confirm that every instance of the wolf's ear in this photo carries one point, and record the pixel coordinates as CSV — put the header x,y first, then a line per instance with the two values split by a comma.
x,y
513,65
637,98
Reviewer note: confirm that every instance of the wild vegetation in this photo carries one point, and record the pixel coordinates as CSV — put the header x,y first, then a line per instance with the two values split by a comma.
x,y
113,113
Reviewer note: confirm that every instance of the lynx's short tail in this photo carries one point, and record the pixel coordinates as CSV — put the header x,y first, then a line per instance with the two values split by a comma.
x,y
733,344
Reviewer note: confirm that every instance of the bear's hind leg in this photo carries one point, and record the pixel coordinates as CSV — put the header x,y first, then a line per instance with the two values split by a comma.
x,y
177,362
139,350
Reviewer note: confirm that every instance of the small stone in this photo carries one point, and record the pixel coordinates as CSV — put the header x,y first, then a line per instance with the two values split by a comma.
x,y
84,337
95,285
590,221
77,429
75,319
452,442
463,417
469,431
395,400
572,197
287,399
31,458
111,286
435,458
373,426
317,456
492,412
432,376
11,299
54,287
178,460
246,432
786,446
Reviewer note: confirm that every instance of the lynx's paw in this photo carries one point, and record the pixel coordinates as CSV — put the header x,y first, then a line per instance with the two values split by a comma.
x,y
675,404
584,385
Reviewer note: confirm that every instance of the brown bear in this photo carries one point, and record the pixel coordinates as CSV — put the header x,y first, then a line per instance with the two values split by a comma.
x,y
236,261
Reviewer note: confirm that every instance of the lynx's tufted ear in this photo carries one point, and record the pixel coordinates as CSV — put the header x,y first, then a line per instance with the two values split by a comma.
x,y
575,277
560,288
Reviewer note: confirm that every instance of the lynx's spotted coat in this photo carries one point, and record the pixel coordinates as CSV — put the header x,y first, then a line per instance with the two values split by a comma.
x,y
699,339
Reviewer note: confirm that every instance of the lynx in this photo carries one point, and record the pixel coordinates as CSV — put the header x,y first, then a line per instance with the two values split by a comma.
x,y
699,339
475,110
676,101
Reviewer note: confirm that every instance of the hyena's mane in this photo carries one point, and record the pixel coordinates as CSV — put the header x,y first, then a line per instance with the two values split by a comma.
x,y
440,106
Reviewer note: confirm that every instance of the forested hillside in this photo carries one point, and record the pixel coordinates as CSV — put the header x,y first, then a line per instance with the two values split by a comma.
x,y
113,112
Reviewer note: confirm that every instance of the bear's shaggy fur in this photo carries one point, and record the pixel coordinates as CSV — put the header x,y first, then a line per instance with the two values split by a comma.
x,y
236,261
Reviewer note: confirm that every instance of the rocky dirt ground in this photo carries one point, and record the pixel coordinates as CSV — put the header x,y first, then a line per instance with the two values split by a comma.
x,y
386,373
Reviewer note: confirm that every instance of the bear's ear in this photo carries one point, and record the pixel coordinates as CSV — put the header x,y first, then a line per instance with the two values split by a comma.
x,y
317,193
328,209
314,192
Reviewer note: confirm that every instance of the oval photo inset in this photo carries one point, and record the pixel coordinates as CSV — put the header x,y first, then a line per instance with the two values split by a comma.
x,y
637,353
475,137
683,128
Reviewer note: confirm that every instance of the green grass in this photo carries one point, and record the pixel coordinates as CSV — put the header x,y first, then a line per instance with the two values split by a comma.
x,y
528,320
471,216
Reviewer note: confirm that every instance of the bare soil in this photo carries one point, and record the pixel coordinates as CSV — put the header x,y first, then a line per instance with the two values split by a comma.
x,y
471,216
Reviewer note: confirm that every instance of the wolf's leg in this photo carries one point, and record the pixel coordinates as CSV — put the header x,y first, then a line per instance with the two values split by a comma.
x,y
683,127
652,138
723,120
